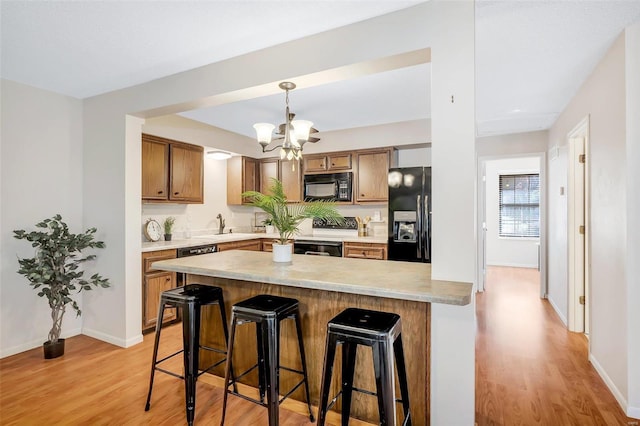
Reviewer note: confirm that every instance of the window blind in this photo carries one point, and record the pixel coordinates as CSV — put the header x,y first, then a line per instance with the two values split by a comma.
x,y
519,205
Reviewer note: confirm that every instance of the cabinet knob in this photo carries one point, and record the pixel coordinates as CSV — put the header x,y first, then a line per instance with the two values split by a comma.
x,y
362,195
168,278
175,193
160,192
333,164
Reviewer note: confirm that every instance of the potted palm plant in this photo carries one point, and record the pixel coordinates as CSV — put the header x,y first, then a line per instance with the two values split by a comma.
x,y
55,271
286,217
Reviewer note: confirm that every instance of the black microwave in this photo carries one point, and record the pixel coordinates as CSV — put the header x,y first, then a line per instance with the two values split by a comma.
x,y
329,186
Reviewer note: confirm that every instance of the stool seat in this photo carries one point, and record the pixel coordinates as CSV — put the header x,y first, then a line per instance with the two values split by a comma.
x,y
367,320
196,293
266,311
265,304
189,298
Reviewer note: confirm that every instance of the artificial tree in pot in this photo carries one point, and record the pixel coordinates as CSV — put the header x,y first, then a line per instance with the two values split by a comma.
x,y
55,271
286,217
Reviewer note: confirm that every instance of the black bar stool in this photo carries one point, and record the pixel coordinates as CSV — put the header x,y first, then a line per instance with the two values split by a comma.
x,y
190,299
382,331
267,312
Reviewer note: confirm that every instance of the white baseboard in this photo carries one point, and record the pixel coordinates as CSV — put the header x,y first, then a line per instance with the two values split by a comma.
x,y
514,265
558,312
27,346
112,339
633,412
607,381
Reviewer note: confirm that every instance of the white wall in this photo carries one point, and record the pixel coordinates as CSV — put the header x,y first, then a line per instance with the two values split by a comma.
x,y
414,157
41,156
602,97
512,144
632,74
503,251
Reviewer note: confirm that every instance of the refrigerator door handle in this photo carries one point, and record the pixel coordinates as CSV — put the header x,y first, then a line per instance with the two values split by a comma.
x,y
425,230
419,225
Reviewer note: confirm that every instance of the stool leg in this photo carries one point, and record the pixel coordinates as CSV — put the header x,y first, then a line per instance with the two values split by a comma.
x,y
228,367
191,344
155,352
402,377
225,329
348,370
260,339
327,371
383,366
303,359
271,347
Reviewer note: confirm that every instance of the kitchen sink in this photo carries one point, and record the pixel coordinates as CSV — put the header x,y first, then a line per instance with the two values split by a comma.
x,y
223,236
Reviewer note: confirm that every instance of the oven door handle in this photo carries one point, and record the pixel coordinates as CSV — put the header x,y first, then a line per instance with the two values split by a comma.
x,y
317,253
324,243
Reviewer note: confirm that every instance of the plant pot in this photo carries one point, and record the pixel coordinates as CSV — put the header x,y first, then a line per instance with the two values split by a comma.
x,y
167,237
53,350
282,253
269,229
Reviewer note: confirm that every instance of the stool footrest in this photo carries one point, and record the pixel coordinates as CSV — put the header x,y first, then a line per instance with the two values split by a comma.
x,y
206,370
208,348
167,357
171,373
248,398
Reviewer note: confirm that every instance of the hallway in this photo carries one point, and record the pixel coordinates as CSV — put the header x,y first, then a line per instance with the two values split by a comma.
x,y
529,369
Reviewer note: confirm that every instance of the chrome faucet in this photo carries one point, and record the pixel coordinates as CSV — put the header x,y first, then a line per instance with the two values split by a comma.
x,y
220,224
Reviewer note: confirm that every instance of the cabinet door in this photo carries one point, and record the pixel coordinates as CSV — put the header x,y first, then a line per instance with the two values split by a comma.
x,y
268,170
267,244
242,175
155,168
365,251
317,163
154,285
372,184
186,173
291,178
339,161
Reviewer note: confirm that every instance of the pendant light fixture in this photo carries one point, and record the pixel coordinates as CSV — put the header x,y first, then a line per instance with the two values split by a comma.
x,y
293,133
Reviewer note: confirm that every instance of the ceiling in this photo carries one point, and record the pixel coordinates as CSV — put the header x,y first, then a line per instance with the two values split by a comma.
x,y
531,56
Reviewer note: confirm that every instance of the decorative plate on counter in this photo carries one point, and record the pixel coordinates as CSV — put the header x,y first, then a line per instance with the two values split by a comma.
x,y
152,230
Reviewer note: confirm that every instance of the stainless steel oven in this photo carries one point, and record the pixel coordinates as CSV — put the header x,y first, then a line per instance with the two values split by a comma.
x,y
318,248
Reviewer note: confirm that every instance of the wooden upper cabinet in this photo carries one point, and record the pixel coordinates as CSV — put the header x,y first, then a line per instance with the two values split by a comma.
x,y
339,161
172,171
371,181
186,173
327,162
269,168
291,178
242,175
155,169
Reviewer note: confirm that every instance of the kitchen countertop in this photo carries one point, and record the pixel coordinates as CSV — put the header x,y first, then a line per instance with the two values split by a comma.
x,y
395,280
225,238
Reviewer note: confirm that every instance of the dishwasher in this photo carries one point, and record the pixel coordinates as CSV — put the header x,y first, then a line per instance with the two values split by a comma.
x,y
193,251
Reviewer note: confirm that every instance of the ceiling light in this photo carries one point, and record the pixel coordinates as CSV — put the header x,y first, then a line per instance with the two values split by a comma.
x,y
218,155
293,133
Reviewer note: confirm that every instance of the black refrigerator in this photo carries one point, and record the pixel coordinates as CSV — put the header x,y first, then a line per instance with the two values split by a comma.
x,y
410,214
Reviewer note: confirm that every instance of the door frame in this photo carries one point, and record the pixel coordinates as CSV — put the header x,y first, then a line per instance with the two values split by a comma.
x,y
578,317
481,201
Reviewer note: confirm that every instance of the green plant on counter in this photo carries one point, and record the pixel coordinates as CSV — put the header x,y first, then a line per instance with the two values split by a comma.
x,y
286,217
268,221
55,269
168,225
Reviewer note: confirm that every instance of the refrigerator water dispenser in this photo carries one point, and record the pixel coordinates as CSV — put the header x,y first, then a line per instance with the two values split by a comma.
x,y
405,229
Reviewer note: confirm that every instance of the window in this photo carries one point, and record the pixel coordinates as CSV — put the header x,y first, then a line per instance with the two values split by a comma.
x,y
520,205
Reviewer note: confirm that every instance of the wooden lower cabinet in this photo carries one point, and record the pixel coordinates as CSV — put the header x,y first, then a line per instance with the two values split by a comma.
x,y
365,250
153,284
267,244
253,245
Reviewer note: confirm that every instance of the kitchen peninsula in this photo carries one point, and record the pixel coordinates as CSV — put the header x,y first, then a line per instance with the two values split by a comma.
x,y
325,286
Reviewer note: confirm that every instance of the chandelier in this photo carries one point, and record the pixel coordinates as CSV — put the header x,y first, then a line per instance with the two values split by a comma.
x,y
293,133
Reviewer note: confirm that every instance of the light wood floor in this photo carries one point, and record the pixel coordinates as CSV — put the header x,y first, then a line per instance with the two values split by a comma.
x,y
529,369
